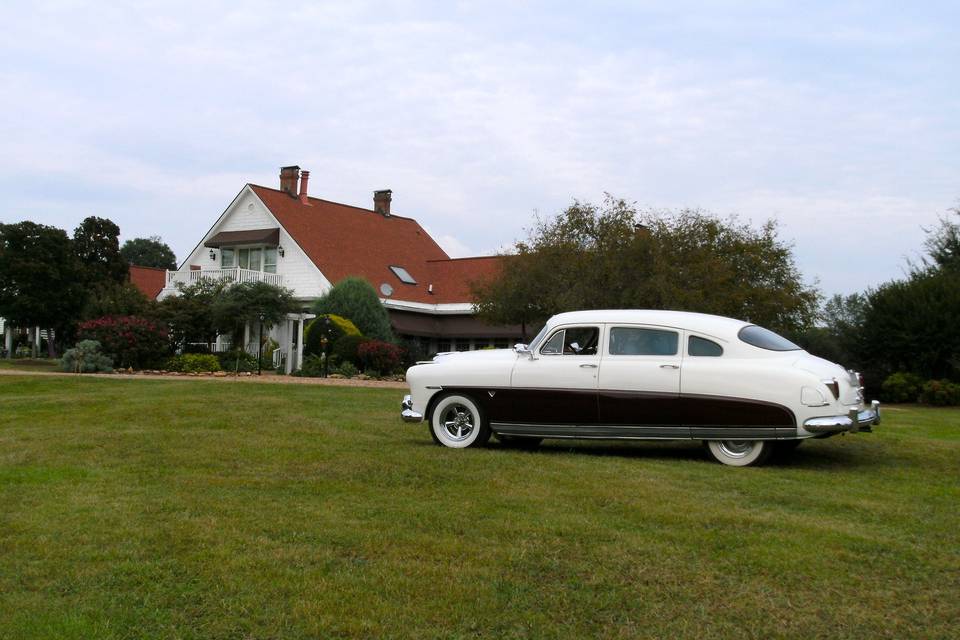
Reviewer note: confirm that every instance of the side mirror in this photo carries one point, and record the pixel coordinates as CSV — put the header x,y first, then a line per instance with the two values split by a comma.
x,y
523,349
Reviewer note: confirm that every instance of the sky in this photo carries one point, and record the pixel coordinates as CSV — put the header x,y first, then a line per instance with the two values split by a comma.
x,y
841,120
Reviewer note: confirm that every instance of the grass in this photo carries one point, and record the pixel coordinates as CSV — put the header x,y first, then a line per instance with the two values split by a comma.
x,y
30,364
195,509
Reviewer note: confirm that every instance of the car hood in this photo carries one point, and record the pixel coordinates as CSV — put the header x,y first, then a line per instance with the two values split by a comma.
x,y
481,355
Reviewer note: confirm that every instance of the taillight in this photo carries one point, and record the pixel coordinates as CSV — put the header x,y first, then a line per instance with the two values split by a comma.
x,y
860,380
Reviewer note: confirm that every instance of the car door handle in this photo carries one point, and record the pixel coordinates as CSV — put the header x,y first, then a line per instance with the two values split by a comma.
x,y
669,366
588,366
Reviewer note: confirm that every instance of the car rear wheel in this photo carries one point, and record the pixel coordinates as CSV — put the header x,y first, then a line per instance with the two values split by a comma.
x,y
739,453
457,422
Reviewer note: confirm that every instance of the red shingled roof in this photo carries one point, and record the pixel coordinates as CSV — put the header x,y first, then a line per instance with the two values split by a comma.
x,y
350,241
149,280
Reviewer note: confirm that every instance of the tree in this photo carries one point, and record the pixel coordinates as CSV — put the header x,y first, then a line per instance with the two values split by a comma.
x,y
38,278
356,300
97,244
149,252
251,303
912,325
593,257
112,299
188,314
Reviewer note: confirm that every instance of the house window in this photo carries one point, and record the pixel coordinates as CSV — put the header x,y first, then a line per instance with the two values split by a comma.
x,y
253,258
443,346
270,259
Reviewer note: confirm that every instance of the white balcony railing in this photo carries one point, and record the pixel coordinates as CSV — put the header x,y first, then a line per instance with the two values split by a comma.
x,y
234,275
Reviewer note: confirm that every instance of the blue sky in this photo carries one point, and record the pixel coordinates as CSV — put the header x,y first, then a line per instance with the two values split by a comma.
x,y
840,120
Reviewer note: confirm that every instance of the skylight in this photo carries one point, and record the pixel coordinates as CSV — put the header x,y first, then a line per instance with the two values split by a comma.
x,y
403,274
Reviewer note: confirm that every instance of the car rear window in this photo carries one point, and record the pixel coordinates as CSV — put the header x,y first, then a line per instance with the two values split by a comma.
x,y
630,341
765,339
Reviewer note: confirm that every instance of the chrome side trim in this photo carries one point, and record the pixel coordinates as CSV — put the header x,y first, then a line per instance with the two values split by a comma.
x,y
856,420
407,412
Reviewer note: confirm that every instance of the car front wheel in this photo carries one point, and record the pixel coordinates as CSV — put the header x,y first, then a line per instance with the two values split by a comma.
x,y
457,422
739,453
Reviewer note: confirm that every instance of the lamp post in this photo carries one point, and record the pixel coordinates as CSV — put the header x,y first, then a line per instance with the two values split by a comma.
x,y
325,341
260,346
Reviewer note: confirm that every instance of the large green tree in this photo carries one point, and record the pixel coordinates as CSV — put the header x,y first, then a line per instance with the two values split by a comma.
x,y
189,316
38,278
251,303
356,300
97,244
612,256
149,252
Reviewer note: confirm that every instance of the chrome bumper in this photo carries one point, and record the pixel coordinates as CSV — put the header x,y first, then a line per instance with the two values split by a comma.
x,y
854,421
407,412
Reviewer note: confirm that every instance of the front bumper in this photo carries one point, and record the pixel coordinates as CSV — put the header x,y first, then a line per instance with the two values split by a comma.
x,y
407,412
854,421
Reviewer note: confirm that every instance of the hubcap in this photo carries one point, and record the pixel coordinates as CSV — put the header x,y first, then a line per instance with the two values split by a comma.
x,y
736,448
458,422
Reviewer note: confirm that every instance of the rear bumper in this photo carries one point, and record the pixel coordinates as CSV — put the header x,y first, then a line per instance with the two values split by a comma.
x,y
407,412
854,421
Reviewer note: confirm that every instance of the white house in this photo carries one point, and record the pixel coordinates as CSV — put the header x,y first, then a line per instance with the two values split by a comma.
x,y
288,238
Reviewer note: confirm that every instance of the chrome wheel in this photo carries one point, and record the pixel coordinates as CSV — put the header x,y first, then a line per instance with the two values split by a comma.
x,y
736,448
739,453
458,421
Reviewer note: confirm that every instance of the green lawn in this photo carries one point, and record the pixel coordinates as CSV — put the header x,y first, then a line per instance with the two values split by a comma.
x,y
196,509
29,364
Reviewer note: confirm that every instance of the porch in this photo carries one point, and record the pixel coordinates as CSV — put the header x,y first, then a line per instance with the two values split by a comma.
x,y
232,275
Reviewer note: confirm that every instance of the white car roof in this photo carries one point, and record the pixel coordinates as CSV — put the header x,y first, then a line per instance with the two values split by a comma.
x,y
719,326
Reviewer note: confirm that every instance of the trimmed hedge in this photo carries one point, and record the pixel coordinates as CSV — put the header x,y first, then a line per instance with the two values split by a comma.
x,y
313,334
941,393
379,357
902,387
194,363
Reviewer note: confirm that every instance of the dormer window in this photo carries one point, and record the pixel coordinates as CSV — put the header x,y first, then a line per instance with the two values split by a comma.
x,y
253,258
403,274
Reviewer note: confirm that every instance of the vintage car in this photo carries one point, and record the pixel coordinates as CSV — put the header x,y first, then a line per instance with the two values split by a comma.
x,y
637,375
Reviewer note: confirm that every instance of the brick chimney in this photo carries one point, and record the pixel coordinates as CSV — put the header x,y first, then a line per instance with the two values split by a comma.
x,y
381,202
288,179
304,177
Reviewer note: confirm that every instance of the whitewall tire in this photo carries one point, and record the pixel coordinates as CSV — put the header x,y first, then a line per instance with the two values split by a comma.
x,y
458,423
740,453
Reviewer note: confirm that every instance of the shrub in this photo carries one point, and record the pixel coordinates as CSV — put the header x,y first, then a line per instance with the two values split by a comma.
x,y
312,367
131,341
347,370
377,356
902,387
194,363
237,360
346,349
355,298
941,393
336,329
86,357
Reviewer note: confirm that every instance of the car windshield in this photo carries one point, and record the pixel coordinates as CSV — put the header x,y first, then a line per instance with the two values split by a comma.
x,y
537,338
766,339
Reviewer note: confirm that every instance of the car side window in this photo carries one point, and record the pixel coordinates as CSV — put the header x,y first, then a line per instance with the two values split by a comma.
x,y
697,346
634,341
573,341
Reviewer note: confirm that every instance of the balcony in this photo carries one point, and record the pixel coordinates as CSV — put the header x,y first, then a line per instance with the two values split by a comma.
x,y
234,275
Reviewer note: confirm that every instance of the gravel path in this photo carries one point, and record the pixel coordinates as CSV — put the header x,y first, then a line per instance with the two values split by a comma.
x,y
268,378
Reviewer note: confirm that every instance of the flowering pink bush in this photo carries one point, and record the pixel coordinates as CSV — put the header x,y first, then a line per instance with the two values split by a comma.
x,y
131,341
377,356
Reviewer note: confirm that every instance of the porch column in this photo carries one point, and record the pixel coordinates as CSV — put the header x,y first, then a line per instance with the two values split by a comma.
x,y
300,341
8,339
36,342
288,345
246,337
